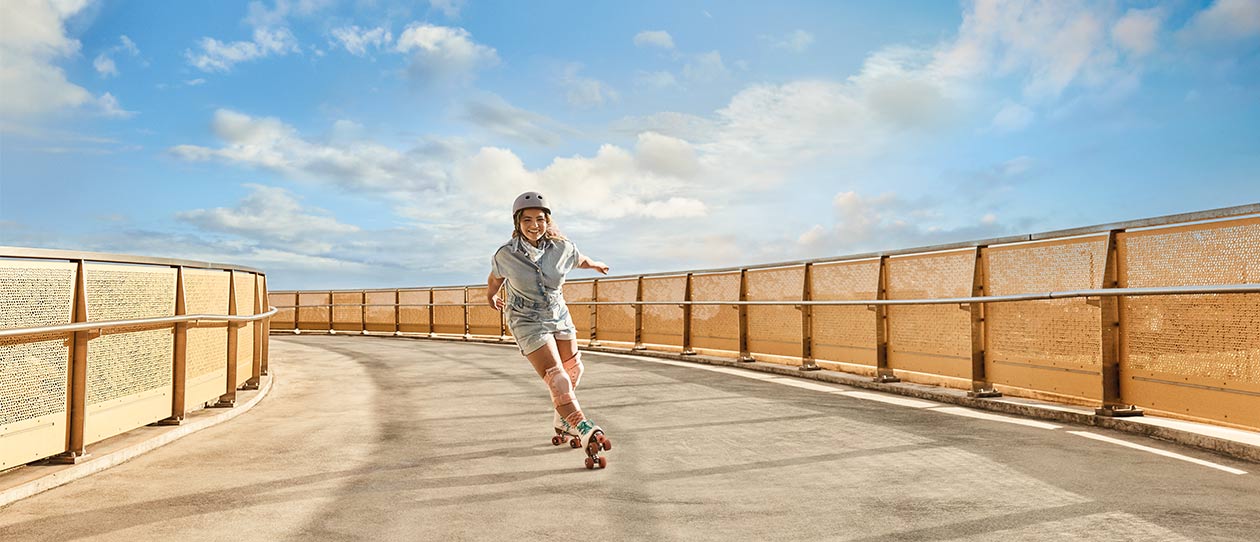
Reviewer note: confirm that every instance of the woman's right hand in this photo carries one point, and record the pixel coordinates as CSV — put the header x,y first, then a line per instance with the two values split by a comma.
x,y
496,302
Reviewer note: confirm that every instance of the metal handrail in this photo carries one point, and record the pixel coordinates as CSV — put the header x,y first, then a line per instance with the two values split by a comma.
x,y
1069,294
109,324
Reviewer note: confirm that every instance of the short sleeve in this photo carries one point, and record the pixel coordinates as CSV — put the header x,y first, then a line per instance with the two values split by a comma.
x,y
495,269
574,255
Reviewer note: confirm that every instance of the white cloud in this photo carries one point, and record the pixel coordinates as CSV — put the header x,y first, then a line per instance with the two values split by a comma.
x,y
357,166
705,67
274,216
450,8
1225,20
441,51
217,56
585,92
1012,117
654,38
1138,30
494,114
32,38
110,108
887,221
661,79
195,82
797,41
357,40
105,66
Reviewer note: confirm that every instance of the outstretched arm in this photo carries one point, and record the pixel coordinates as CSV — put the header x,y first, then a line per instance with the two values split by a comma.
x,y
493,284
587,263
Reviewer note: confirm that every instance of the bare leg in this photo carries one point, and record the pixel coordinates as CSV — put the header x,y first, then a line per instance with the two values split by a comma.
x,y
545,359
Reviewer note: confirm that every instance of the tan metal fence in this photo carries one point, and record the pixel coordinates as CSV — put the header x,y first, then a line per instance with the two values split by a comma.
x,y
94,345
1161,314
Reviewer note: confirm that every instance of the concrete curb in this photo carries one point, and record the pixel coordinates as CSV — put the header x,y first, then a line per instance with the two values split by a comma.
x,y
1150,426
118,457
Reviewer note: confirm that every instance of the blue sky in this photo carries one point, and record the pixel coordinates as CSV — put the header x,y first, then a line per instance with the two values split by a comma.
x,y
359,144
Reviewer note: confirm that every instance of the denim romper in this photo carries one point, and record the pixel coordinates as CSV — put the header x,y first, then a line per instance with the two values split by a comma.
x,y
535,302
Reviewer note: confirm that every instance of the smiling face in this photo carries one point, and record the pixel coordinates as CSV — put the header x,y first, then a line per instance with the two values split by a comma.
x,y
532,224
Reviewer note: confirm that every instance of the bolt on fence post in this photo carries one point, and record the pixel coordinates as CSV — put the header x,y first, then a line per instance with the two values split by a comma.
x,y
594,314
638,317
686,307
980,386
883,373
1112,334
744,354
77,406
228,399
807,321
397,311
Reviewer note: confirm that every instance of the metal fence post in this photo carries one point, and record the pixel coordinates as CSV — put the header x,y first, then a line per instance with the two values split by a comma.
x,y
980,386
332,307
638,317
179,362
744,354
228,399
594,314
686,307
432,326
263,369
77,406
297,312
363,313
397,310
255,377
1112,403
807,321
467,330
883,373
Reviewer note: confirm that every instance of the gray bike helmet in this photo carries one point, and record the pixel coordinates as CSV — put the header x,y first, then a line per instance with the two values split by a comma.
x,y
530,200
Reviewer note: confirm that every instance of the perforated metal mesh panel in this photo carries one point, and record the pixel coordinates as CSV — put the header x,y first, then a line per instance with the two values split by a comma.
x,y
127,364
715,327
662,324
33,371
348,318
449,319
206,292
1194,355
845,334
581,314
313,310
482,320
1049,346
283,318
775,329
413,319
380,318
932,339
245,335
616,322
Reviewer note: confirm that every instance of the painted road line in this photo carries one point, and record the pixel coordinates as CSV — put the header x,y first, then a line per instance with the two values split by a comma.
x,y
805,384
966,412
890,399
1157,451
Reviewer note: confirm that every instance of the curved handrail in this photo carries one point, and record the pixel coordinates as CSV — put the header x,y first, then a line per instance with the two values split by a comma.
x,y
109,324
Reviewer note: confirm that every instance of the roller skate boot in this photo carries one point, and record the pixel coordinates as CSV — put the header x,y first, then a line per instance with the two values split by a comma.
x,y
564,433
595,441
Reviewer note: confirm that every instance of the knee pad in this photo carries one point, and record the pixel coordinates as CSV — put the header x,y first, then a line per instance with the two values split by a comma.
x,y
573,366
560,386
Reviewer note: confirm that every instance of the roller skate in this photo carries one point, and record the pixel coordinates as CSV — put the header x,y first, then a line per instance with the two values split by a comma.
x,y
595,441
564,433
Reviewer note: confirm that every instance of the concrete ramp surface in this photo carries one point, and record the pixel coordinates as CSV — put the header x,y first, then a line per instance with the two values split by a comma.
x,y
366,438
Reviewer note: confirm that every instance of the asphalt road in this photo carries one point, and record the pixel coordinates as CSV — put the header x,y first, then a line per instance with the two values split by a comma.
x,y
370,438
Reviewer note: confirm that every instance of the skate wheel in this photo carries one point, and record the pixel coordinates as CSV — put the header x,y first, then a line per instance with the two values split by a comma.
x,y
556,441
575,444
590,463
603,441
603,462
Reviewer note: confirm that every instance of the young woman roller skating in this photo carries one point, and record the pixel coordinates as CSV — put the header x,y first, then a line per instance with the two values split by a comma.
x,y
533,264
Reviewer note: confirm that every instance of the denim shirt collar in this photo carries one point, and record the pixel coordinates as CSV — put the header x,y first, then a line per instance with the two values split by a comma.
x,y
518,244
